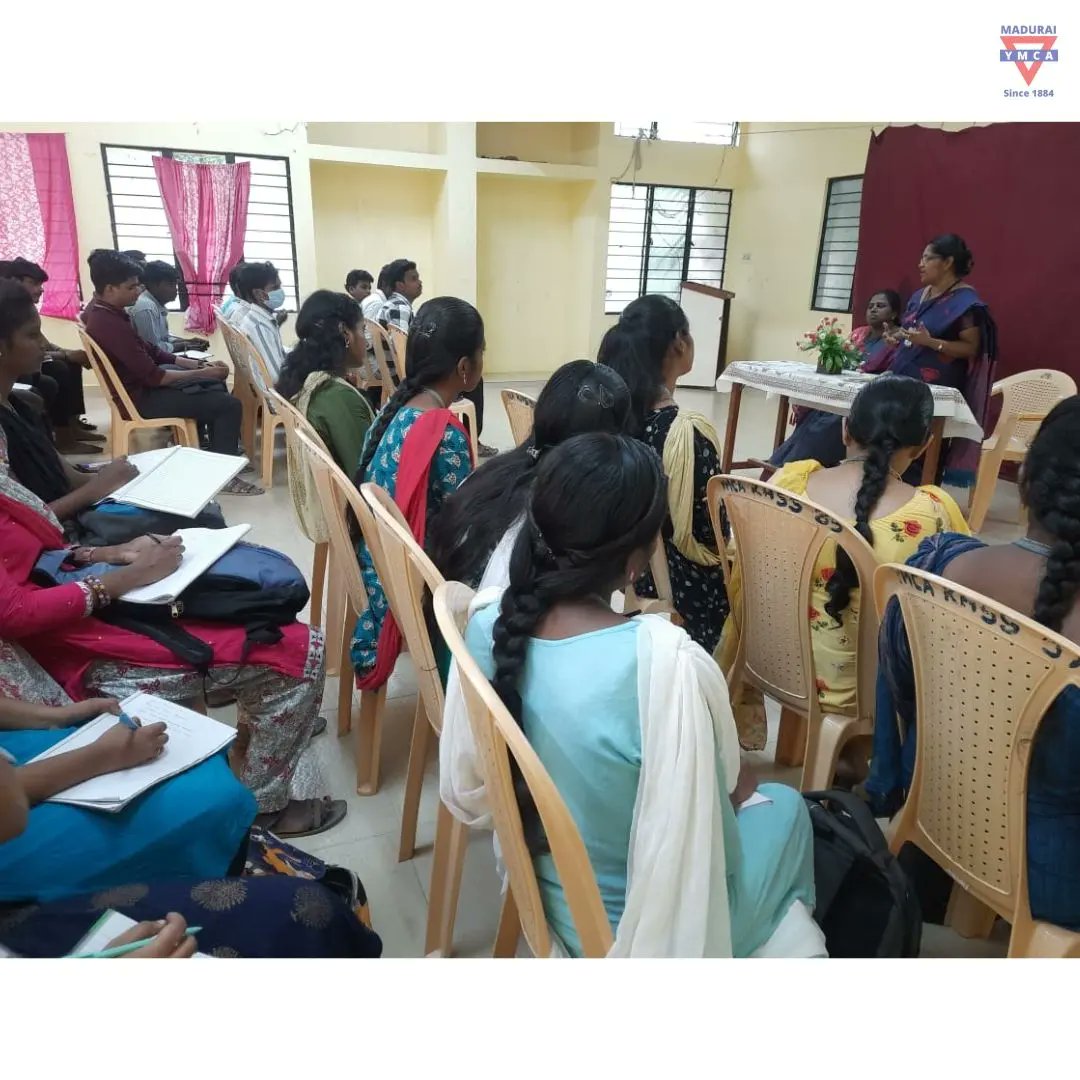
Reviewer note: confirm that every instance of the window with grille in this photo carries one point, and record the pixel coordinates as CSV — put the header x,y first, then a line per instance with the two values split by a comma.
x,y
138,213
659,237
716,133
839,245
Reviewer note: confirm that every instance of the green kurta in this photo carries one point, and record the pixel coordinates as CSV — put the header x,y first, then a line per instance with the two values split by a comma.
x,y
341,415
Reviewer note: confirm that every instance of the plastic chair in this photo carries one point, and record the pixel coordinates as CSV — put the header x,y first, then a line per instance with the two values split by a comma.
x,y
124,417
498,736
399,344
410,575
985,676
1026,400
465,411
243,385
271,420
664,601
519,411
383,352
313,525
778,537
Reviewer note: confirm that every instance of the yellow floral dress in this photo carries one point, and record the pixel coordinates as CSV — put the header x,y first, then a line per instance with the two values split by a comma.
x,y
897,536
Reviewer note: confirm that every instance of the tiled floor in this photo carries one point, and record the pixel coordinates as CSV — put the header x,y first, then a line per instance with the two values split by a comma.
x,y
367,841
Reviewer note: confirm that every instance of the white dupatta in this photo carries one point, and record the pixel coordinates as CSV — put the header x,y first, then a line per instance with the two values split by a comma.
x,y
676,899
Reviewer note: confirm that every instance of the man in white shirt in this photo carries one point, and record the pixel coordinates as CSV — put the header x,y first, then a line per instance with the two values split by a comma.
x,y
149,314
259,286
370,305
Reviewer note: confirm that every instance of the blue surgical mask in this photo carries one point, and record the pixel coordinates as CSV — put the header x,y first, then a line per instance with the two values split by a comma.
x,y
275,299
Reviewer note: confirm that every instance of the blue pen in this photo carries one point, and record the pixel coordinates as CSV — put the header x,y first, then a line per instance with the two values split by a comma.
x,y
126,720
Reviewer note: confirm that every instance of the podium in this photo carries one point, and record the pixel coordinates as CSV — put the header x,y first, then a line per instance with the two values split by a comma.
x,y
708,309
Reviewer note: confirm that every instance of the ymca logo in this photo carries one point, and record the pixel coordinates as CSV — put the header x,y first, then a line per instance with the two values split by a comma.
x,y
1028,47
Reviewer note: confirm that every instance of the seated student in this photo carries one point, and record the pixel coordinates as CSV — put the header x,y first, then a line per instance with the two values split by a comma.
x,y
195,824
276,915
358,285
1039,576
260,287
887,429
149,314
330,343
61,374
418,451
278,687
405,289
651,347
486,513
606,702
232,307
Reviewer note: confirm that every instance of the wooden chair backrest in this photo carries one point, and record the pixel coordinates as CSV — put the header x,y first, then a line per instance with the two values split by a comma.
x,y
1026,400
410,574
497,736
334,488
519,411
778,537
383,351
399,344
301,480
984,678
108,380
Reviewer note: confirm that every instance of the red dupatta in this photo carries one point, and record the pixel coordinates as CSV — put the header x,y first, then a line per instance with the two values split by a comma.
x,y
411,495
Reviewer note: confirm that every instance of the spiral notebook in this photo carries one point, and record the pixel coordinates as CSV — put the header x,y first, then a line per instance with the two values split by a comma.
x,y
178,480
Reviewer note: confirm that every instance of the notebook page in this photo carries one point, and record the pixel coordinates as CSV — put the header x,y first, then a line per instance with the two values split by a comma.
x,y
179,480
109,927
202,548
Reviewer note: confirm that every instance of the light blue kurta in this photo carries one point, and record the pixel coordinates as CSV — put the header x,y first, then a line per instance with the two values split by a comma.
x,y
580,714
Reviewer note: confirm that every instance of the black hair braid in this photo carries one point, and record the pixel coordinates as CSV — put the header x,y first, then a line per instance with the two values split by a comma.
x,y
321,347
875,477
1054,499
407,389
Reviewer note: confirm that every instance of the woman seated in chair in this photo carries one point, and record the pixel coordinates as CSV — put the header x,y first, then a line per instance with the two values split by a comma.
x,y
888,428
485,514
278,687
314,376
1039,576
419,452
819,435
278,915
651,347
569,670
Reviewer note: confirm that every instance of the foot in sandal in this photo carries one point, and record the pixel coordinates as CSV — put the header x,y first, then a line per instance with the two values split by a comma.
x,y
304,817
237,486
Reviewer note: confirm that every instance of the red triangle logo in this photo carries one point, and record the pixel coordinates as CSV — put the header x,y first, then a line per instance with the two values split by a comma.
x,y
1040,44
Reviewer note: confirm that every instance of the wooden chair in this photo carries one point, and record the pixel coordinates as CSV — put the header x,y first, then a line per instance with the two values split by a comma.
x,y
778,537
498,736
124,417
315,528
243,385
380,342
337,496
399,344
410,575
519,411
985,677
1026,400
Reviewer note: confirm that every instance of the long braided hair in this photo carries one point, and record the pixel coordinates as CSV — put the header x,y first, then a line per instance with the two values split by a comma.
x,y
443,332
892,413
597,499
320,326
580,397
1050,488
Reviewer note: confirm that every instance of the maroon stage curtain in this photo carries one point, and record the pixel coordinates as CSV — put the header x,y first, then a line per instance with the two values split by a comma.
x,y
1010,190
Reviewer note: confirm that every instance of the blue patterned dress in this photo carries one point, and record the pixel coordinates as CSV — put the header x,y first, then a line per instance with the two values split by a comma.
x,y
448,470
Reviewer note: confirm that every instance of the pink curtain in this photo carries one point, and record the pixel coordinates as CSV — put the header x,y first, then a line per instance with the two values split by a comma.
x,y
37,215
206,207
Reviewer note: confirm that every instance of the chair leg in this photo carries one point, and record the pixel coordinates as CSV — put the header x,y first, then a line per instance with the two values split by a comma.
x,y
1031,939
506,937
318,584
189,435
337,627
791,738
414,780
369,740
983,492
345,687
451,841
823,752
268,451
967,916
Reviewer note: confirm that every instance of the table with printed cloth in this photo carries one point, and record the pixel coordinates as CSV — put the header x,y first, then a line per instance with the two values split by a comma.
x,y
792,382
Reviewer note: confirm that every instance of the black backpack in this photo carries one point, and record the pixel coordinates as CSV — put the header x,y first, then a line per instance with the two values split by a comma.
x,y
866,905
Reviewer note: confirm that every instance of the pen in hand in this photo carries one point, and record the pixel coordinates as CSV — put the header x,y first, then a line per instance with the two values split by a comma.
x,y
128,722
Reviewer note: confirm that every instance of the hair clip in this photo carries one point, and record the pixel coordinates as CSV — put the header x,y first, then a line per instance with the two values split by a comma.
x,y
533,452
599,395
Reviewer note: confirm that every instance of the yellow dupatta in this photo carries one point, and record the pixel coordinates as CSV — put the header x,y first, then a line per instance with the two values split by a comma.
x,y
679,467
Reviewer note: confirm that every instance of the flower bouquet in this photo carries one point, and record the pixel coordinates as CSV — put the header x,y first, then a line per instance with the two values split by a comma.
x,y
835,350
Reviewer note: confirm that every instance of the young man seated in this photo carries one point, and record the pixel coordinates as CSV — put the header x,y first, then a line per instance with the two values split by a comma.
x,y
60,381
149,315
259,285
159,383
358,285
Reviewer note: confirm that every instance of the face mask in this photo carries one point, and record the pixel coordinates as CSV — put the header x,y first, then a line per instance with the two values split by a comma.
x,y
275,299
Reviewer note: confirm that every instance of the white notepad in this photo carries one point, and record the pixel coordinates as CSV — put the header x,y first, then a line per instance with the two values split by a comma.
x,y
202,548
178,479
107,929
192,739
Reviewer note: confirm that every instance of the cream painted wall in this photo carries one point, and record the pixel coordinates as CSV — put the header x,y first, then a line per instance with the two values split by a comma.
x,y
413,137
564,144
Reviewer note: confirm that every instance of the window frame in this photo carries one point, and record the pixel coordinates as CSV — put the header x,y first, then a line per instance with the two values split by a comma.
x,y
647,235
652,133
814,306
230,157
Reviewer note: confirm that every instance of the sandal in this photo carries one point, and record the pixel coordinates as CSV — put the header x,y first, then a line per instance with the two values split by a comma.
x,y
237,486
325,814
319,726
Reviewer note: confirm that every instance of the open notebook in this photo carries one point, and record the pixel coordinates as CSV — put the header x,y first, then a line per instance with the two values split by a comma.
x,y
192,739
178,479
202,548
109,927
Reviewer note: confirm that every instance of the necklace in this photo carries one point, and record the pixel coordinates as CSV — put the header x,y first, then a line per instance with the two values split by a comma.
x,y
1027,544
860,460
436,395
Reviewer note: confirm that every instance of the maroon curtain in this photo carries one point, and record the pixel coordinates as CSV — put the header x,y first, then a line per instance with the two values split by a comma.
x,y
1010,190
